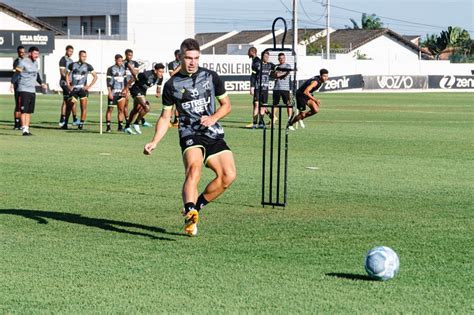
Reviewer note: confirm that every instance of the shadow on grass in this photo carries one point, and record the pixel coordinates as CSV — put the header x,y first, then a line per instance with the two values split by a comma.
x,y
350,276
108,225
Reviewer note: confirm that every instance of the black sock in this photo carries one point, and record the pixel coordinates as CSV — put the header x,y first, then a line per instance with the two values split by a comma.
x,y
120,125
17,122
201,202
74,118
127,124
63,118
108,124
143,121
189,206
255,120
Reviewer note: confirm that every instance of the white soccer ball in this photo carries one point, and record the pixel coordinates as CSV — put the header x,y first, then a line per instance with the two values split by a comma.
x,y
382,263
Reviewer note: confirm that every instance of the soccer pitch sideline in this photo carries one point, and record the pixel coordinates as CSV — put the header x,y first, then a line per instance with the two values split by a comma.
x,y
90,224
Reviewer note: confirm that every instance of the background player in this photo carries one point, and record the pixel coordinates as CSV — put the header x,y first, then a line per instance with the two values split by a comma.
x,y
76,79
64,63
194,91
20,50
304,96
138,88
173,68
281,89
252,53
117,89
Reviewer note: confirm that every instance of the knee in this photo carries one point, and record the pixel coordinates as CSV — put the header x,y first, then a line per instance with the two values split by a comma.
x,y
228,178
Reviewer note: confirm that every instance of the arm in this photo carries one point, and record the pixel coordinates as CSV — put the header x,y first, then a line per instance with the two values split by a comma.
x,y
158,91
220,113
110,82
94,79
176,70
160,130
68,79
308,89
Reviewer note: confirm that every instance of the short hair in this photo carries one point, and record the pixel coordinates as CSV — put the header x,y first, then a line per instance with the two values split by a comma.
x,y
176,52
189,44
33,48
281,54
253,49
128,50
323,71
69,47
20,47
82,52
159,66
118,56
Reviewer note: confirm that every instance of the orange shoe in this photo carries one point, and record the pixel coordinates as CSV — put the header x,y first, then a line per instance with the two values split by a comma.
x,y
190,222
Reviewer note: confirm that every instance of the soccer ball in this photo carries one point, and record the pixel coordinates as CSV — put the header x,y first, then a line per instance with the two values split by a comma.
x,y
382,263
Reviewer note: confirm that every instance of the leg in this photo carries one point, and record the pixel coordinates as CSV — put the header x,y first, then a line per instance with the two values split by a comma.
x,y
223,165
120,112
193,159
108,117
314,109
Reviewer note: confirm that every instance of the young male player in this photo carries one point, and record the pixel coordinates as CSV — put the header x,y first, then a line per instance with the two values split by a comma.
x,y
20,50
28,75
64,63
281,89
304,97
76,79
116,87
138,88
254,85
194,91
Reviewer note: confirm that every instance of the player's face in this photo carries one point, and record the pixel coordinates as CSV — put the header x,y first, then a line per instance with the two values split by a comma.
x,y
119,62
265,57
281,59
69,52
191,61
129,56
21,53
325,77
159,73
82,57
34,55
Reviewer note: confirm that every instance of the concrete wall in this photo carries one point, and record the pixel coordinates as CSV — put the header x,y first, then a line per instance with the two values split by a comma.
x,y
386,48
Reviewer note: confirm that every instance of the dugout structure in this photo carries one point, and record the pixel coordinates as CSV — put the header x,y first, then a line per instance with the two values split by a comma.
x,y
275,135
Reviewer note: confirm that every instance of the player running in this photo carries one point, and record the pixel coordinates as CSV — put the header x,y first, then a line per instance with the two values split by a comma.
x,y
138,88
304,97
194,91
76,79
64,63
117,89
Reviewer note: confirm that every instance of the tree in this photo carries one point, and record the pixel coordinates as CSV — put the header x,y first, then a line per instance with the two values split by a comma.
x,y
368,22
454,40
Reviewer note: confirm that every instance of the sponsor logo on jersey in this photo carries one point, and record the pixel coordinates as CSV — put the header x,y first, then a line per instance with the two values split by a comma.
x,y
197,106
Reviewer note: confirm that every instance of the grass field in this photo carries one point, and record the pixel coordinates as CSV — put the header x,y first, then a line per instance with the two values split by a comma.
x,y
90,224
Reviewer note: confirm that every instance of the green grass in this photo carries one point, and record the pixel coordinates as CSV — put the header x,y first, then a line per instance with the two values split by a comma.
x,y
90,224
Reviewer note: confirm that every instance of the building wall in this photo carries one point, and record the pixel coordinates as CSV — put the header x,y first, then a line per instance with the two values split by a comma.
x,y
9,23
386,48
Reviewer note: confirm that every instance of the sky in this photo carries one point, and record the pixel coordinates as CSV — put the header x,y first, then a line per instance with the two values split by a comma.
x,y
407,17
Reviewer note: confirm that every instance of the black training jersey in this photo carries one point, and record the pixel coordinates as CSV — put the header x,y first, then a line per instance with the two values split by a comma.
x,y
255,69
267,69
116,78
64,63
79,72
135,65
144,81
308,82
195,96
173,65
15,76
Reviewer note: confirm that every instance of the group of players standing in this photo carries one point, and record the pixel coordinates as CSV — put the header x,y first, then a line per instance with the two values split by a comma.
x,y
125,79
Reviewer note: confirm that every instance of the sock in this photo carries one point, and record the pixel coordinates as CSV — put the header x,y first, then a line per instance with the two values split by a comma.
x,y
201,202
255,120
120,125
143,120
260,120
63,117
82,122
189,206
17,122
25,128
74,117
108,124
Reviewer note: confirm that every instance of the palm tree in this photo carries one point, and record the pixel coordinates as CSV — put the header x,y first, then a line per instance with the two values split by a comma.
x,y
368,22
453,40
